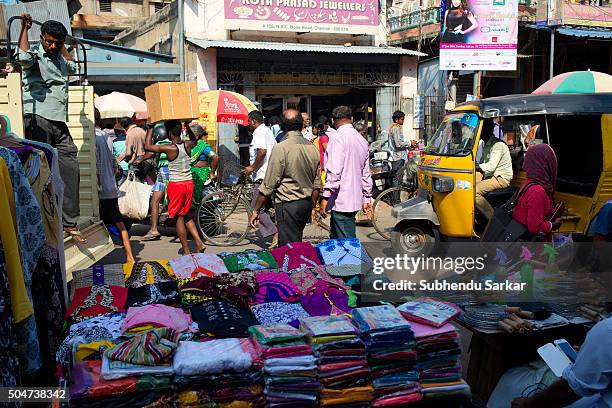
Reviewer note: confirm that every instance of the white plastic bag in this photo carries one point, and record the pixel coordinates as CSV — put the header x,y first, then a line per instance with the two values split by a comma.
x,y
134,198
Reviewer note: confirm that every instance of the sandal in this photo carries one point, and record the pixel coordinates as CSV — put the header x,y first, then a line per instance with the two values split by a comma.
x,y
151,237
76,235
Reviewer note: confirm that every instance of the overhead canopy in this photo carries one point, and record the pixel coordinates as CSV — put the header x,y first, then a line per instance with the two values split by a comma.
x,y
295,47
513,105
586,32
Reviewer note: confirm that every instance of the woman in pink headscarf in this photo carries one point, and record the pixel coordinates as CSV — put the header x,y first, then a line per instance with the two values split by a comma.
x,y
534,208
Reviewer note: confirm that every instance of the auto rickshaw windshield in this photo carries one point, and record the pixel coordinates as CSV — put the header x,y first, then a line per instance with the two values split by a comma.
x,y
455,136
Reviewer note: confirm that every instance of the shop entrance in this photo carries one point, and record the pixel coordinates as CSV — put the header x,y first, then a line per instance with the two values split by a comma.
x,y
274,105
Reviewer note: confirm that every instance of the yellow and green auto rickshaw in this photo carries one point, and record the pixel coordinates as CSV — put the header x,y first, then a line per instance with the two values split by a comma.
x,y
577,126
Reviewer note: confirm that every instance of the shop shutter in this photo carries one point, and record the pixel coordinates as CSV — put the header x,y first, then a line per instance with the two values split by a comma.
x,y
106,6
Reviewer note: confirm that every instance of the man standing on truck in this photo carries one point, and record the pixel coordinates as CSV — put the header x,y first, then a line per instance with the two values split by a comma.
x,y
46,67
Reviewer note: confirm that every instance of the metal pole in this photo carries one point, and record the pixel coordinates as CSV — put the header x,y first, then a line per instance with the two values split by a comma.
x,y
551,71
181,47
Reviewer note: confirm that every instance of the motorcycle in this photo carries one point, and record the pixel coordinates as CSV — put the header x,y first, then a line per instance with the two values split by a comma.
x,y
380,168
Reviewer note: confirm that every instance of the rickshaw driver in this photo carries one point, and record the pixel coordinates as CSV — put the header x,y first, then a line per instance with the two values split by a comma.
x,y
495,170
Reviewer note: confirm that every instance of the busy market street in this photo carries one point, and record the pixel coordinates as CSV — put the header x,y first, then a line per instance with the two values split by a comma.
x,y
301,204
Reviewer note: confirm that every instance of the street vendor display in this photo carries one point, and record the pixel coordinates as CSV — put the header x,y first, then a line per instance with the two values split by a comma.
x,y
233,328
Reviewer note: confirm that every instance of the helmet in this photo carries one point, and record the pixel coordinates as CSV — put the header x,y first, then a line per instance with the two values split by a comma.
x,y
159,133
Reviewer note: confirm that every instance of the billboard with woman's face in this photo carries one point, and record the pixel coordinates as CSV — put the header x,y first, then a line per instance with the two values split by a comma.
x,y
478,35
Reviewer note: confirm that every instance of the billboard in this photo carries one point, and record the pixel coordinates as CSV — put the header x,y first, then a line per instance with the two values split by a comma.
x,y
324,16
479,35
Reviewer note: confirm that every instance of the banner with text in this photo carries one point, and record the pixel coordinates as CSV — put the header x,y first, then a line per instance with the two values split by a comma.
x,y
325,16
479,35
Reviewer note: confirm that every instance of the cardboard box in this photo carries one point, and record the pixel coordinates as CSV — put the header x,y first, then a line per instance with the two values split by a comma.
x,y
172,100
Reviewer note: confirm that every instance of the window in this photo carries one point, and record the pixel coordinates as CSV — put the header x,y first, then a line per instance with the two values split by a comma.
x,y
455,136
577,141
106,6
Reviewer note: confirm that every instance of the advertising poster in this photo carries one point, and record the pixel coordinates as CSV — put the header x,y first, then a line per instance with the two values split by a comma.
x,y
478,35
325,16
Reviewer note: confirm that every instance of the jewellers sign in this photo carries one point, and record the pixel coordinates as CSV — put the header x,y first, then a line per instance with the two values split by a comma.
x,y
325,16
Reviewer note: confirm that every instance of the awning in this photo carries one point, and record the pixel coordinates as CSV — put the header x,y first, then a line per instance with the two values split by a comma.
x,y
586,32
295,47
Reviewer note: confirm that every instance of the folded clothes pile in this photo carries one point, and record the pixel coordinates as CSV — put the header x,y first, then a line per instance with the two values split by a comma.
x,y
438,354
290,368
343,365
391,355
226,370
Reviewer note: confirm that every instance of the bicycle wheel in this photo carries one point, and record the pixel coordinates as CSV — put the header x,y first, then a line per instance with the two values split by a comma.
x,y
381,219
223,218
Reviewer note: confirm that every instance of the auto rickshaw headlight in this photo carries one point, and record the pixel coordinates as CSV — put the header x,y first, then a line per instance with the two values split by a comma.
x,y
442,184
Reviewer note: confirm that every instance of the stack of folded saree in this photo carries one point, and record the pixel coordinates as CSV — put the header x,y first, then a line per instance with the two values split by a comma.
x,y
290,368
438,354
343,365
391,355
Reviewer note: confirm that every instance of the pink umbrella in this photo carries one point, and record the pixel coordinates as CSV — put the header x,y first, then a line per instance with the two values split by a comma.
x,y
118,105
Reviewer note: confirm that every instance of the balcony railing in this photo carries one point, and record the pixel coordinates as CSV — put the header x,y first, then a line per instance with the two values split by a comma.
x,y
414,19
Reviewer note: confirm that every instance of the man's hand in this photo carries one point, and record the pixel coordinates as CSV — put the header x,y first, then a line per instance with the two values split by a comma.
x,y
368,211
323,208
248,170
520,403
26,22
254,220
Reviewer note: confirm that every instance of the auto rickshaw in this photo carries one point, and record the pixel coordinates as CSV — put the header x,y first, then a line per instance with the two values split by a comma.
x,y
577,126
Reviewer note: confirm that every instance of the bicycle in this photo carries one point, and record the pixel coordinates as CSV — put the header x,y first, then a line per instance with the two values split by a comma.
x,y
385,201
223,214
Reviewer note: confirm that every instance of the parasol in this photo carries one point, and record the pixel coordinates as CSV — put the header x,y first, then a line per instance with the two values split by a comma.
x,y
119,105
225,106
577,82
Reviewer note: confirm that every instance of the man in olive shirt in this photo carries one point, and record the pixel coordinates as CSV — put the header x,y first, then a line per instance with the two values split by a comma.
x,y
294,177
46,67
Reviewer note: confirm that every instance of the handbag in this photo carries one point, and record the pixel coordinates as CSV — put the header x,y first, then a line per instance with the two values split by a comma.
x,y
134,198
502,227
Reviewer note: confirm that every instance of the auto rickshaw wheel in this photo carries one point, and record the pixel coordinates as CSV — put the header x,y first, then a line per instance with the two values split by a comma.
x,y
414,238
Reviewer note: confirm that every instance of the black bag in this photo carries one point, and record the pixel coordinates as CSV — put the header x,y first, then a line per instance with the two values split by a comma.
x,y
502,227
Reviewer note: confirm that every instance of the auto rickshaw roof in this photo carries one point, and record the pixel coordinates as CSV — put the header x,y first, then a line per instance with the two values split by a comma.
x,y
514,105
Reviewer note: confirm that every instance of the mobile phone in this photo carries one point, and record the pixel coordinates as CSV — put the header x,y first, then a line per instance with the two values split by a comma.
x,y
567,349
554,358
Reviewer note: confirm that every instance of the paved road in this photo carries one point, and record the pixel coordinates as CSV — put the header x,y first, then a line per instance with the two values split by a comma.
x,y
168,246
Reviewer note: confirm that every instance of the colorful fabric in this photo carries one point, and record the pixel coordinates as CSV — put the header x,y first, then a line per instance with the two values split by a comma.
x,y
150,348
375,318
278,313
157,315
105,327
200,152
222,318
111,275
191,296
166,293
343,251
180,195
252,260
278,333
147,273
275,287
238,288
326,304
327,325
93,349
196,265
95,301
296,255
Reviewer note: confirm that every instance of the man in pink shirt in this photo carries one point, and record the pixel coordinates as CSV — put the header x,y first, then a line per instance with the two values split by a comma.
x,y
348,183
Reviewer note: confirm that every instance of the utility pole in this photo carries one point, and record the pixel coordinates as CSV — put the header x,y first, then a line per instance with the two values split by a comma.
x,y
476,88
551,72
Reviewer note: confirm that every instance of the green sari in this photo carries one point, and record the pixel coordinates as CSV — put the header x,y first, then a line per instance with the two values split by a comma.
x,y
200,174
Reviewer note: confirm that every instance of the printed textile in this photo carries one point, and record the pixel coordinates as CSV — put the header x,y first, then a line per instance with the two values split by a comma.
x,y
278,313
296,255
251,260
196,265
377,318
95,301
166,293
138,274
157,316
327,325
150,348
111,275
222,318
275,287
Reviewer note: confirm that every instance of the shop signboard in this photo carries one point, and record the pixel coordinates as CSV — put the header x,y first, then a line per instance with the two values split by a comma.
x,y
549,13
323,16
478,35
419,112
